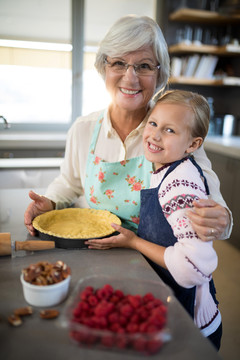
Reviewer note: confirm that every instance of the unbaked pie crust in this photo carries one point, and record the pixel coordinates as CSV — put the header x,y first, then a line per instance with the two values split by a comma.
x,y
74,223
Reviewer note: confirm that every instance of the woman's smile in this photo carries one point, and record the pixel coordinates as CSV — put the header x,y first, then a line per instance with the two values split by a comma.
x,y
129,91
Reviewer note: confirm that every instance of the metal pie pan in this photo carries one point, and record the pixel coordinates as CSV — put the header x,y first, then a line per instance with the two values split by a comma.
x,y
68,243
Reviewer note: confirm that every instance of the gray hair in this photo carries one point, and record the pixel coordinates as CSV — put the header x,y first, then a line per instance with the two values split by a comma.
x,y
130,33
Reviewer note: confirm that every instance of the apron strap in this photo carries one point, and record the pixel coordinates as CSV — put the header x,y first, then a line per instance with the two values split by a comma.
x,y
178,162
96,132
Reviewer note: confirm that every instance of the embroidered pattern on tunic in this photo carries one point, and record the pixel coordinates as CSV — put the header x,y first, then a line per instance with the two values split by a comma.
x,y
187,235
179,202
175,183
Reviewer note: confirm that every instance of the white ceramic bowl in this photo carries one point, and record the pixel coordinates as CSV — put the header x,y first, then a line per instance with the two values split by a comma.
x,y
47,295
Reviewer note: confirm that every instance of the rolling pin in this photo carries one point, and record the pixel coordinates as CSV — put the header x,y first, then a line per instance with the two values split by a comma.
x,y
6,246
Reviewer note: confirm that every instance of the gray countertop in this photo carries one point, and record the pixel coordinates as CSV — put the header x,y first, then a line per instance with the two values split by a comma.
x,y
31,163
31,140
229,146
38,339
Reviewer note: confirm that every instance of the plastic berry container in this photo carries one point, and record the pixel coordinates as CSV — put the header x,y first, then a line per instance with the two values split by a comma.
x,y
126,315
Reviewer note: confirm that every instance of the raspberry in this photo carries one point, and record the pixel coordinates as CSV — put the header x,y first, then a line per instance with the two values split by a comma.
x,y
150,305
135,319
148,297
107,340
143,327
153,346
152,328
105,292
143,313
113,317
140,344
121,342
100,322
115,327
135,301
78,336
86,292
119,294
103,308
122,320
90,339
88,321
93,300
158,302
126,310
114,299
158,320
132,328
82,308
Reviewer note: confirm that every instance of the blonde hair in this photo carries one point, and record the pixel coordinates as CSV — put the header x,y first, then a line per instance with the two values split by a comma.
x,y
130,33
197,103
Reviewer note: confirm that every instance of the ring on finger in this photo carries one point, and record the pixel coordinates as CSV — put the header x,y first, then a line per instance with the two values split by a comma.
x,y
212,232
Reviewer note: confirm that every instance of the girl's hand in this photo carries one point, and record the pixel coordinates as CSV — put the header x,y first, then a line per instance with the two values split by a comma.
x,y
209,219
124,240
39,205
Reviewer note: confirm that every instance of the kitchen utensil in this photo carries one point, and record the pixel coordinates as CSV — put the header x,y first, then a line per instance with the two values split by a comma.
x,y
229,125
7,247
68,229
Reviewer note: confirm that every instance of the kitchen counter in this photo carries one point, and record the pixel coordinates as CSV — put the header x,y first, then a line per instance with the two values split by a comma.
x,y
32,140
229,146
30,163
38,339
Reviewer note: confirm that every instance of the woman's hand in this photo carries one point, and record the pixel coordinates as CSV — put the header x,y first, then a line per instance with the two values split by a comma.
x,y
209,219
39,205
124,240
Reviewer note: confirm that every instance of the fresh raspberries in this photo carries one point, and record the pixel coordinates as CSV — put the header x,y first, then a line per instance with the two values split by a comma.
x,y
119,320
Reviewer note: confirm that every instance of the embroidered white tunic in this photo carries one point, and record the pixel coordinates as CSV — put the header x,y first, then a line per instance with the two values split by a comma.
x,y
190,261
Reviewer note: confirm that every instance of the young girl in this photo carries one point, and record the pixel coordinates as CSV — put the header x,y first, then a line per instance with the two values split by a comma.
x,y
175,128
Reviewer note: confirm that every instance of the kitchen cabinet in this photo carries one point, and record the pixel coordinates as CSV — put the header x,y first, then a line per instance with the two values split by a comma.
x,y
28,172
203,17
228,170
224,89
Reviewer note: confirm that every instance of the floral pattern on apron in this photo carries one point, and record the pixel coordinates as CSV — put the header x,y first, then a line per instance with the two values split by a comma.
x,y
116,186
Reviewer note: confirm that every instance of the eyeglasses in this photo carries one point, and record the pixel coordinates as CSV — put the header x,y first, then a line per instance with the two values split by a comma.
x,y
120,67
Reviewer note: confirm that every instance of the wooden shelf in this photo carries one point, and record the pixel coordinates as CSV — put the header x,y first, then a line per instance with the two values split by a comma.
x,y
203,16
231,81
226,50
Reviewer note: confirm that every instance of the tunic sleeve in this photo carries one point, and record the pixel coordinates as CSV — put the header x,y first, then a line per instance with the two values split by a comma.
x,y
190,261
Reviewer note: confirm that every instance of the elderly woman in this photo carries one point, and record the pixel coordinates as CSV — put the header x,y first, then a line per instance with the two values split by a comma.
x,y
104,165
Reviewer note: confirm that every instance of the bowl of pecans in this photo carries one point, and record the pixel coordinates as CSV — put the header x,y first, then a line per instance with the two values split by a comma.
x,y
46,284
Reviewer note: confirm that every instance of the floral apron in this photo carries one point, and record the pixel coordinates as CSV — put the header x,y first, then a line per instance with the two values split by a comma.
x,y
116,186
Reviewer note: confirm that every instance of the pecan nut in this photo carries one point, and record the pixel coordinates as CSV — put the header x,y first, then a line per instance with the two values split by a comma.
x,y
14,320
44,273
27,310
49,314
